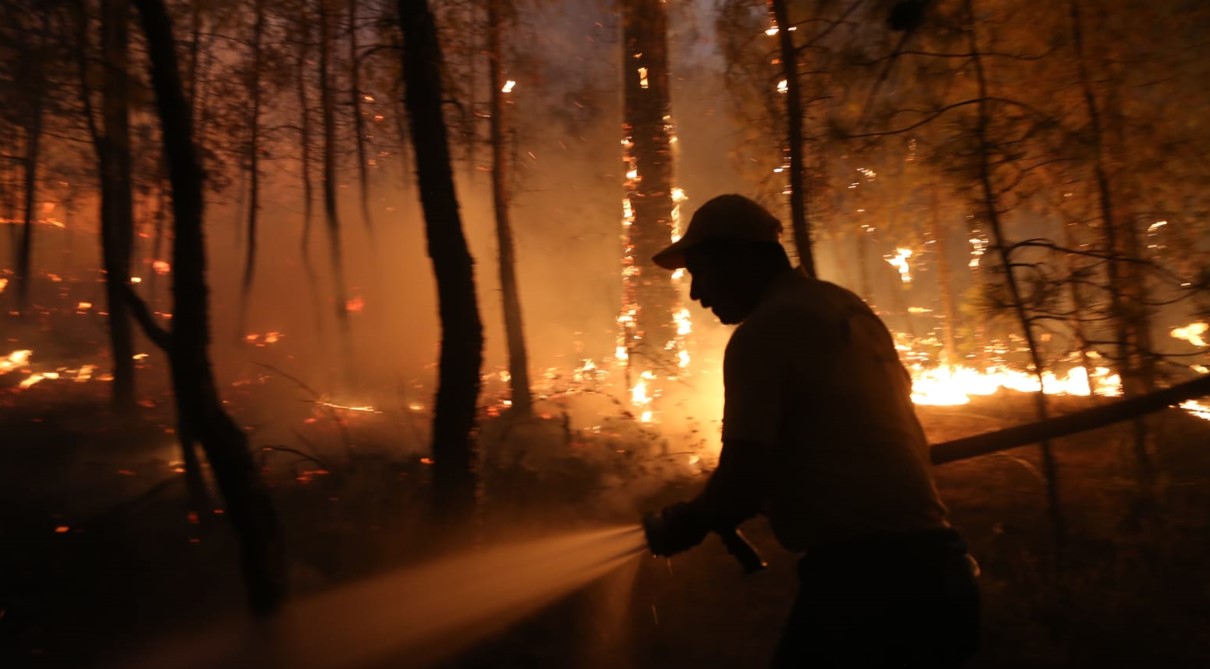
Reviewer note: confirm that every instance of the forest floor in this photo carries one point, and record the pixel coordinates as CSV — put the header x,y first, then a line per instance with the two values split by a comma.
x,y
99,557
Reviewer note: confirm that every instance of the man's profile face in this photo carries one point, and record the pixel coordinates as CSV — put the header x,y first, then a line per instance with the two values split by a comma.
x,y
719,282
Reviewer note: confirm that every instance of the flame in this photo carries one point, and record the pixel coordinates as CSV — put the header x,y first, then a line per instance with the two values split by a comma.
x,y
508,86
783,86
1191,333
643,77
900,262
355,304
949,385
1197,409
14,360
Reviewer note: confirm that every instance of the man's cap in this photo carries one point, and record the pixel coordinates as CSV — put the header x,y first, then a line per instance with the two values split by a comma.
x,y
725,217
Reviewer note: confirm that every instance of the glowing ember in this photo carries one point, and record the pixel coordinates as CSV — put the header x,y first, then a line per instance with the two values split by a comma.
x,y
783,86
355,304
3,284
508,86
345,407
84,306
161,267
267,339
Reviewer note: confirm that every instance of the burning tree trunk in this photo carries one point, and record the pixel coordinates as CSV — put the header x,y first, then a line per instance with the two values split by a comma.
x,y
117,218
518,358
253,164
461,330
649,297
990,206
199,408
794,136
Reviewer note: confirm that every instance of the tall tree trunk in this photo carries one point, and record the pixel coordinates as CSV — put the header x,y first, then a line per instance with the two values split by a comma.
x,y
249,505
117,219
33,146
331,214
1127,294
518,357
794,137
359,123
305,158
461,358
253,166
648,295
991,212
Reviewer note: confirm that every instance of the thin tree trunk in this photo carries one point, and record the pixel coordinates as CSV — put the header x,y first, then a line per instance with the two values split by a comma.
x,y
249,505
331,214
117,219
253,163
33,146
991,207
359,124
1126,296
461,357
794,137
945,277
514,331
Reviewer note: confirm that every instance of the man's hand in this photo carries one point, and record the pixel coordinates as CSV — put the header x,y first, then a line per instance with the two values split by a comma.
x,y
677,528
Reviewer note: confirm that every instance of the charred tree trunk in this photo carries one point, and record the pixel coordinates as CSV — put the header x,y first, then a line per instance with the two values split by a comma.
x,y
991,212
117,218
359,123
454,480
253,167
794,137
518,357
649,297
249,505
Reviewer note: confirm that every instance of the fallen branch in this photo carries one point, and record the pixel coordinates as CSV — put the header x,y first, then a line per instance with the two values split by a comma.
x,y
1080,421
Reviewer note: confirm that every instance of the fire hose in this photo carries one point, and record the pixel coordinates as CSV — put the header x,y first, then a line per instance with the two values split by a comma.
x,y
990,442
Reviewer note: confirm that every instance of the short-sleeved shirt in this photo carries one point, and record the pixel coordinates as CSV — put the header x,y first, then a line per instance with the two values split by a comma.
x,y
814,373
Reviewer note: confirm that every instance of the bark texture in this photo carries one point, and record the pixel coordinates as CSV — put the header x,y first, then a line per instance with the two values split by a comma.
x,y
454,480
248,504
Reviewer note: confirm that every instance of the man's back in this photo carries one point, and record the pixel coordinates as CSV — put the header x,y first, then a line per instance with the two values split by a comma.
x,y
813,371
